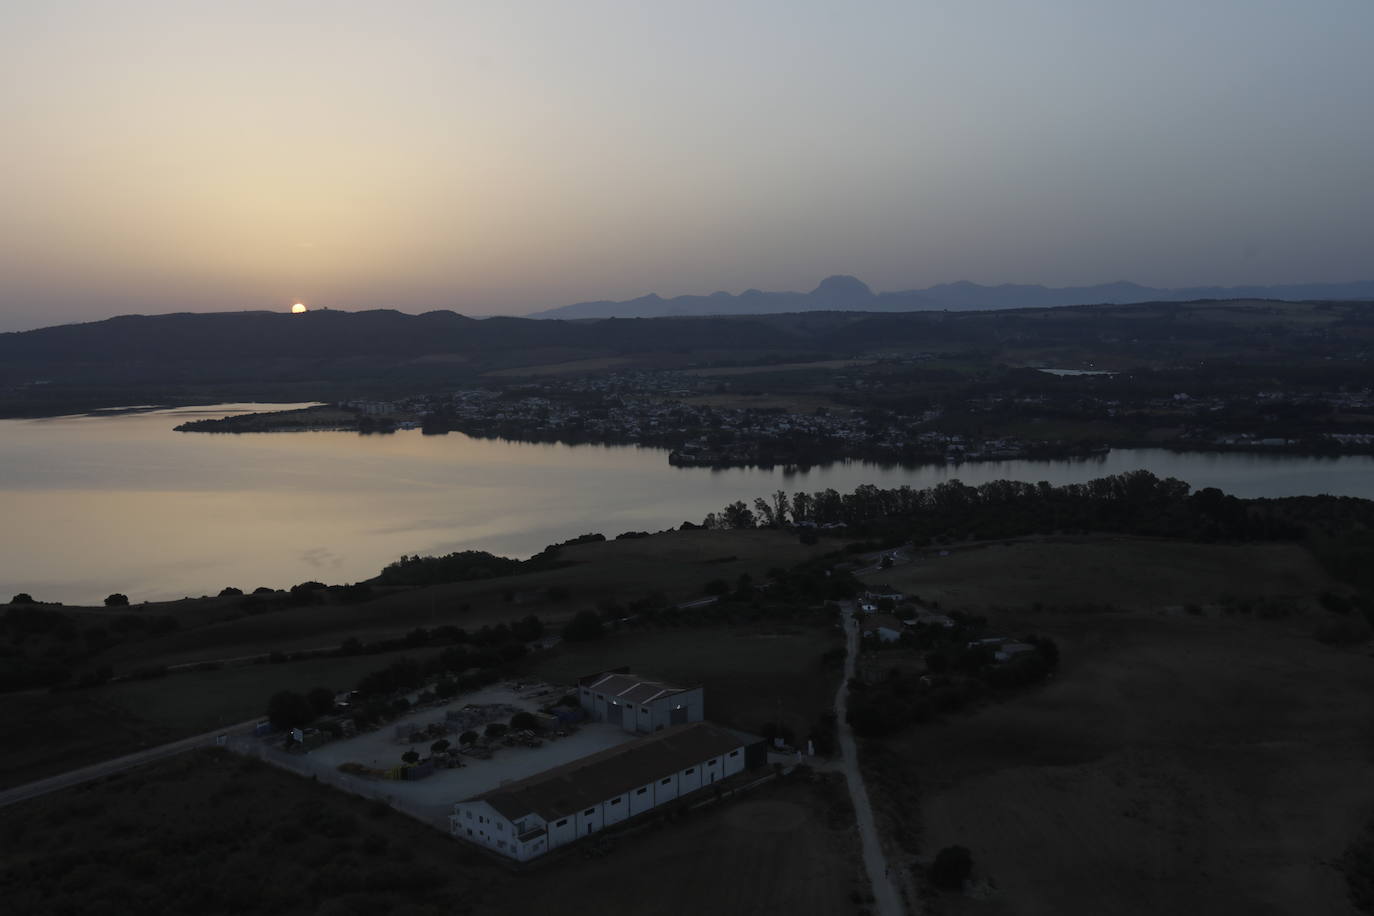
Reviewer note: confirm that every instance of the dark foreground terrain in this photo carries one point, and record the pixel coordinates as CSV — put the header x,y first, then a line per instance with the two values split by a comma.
x,y
212,833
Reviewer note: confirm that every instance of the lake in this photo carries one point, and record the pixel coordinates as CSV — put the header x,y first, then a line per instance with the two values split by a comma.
x,y
122,503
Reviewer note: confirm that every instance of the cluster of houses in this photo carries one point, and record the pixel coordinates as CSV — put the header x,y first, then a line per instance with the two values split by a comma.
x,y
888,626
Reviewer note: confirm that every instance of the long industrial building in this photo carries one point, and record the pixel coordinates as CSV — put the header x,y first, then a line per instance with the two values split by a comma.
x,y
528,818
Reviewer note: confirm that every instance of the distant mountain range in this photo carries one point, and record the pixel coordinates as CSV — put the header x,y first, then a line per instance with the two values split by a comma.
x,y
846,293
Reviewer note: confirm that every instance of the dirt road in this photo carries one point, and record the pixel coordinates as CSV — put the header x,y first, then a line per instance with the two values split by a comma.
x,y
887,901
117,765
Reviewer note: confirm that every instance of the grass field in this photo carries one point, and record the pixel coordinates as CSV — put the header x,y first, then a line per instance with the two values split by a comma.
x,y
1126,573
751,675
677,563
210,833
786,849
1178,762
55,732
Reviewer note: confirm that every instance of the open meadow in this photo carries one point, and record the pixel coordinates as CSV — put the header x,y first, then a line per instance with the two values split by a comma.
x,y
676,564
54,732
1214,759
1119,572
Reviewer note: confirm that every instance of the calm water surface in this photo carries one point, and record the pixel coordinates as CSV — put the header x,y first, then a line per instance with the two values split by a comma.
x,y
122,503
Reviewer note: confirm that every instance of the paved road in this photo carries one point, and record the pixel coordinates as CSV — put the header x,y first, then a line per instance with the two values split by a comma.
x,y
887,901
118,765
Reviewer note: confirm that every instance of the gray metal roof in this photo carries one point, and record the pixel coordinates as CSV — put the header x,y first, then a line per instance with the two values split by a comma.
x,y
572,787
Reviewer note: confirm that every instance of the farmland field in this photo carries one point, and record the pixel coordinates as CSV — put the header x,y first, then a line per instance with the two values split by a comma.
x,y
1176,763
1125,573
55,732
676,563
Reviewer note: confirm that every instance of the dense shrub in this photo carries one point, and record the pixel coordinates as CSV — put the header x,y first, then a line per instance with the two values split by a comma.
x,y
951,868
586,625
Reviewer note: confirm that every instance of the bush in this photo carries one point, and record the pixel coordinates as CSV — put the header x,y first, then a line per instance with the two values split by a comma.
x,y
117,600
585,626
951,868
495,729
468,738
230,592
523,720
289,709
321,700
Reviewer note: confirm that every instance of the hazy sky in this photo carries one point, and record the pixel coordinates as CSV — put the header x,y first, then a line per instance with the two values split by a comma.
x,y
500,157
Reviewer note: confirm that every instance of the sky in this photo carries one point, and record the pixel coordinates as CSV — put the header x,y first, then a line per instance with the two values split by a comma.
x,y
507,157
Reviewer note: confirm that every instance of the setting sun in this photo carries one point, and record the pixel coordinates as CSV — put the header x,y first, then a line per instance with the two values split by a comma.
x,y
298,308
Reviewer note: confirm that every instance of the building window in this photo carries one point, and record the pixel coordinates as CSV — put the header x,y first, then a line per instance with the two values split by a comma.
x,y
643,709
711,763
501,827
562,823
666,781
589,812
469,831
469,815
689,772
615,801
734,753
601,696
501,845
641,791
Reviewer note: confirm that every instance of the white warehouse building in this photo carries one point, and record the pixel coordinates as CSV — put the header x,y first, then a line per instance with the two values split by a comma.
x,y
638,705
525,819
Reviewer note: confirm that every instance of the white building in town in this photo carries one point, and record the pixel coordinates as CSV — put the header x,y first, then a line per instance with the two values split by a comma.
x,y
525,819
638,705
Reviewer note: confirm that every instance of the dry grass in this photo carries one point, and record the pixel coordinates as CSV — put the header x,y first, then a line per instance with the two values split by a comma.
x,y
1176,764
1126,573
209,833
677,563
781,849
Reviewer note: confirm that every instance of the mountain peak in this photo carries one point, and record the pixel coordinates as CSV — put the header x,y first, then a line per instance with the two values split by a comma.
x,y
843,288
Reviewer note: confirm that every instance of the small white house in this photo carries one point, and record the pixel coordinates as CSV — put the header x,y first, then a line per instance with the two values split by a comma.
x,y
638,705
525,819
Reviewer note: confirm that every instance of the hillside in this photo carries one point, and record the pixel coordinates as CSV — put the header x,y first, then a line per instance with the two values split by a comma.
x,y
846,293
190,358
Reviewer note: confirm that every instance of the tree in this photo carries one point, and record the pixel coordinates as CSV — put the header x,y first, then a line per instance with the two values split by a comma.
x,y
439,746
468,738
289,709
495,729
117,600
586,625
411,757
321,700
23,598
230,592
951,868
523,720
738,515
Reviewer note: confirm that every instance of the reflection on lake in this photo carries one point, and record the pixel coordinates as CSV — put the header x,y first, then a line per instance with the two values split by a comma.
x,y
121,503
